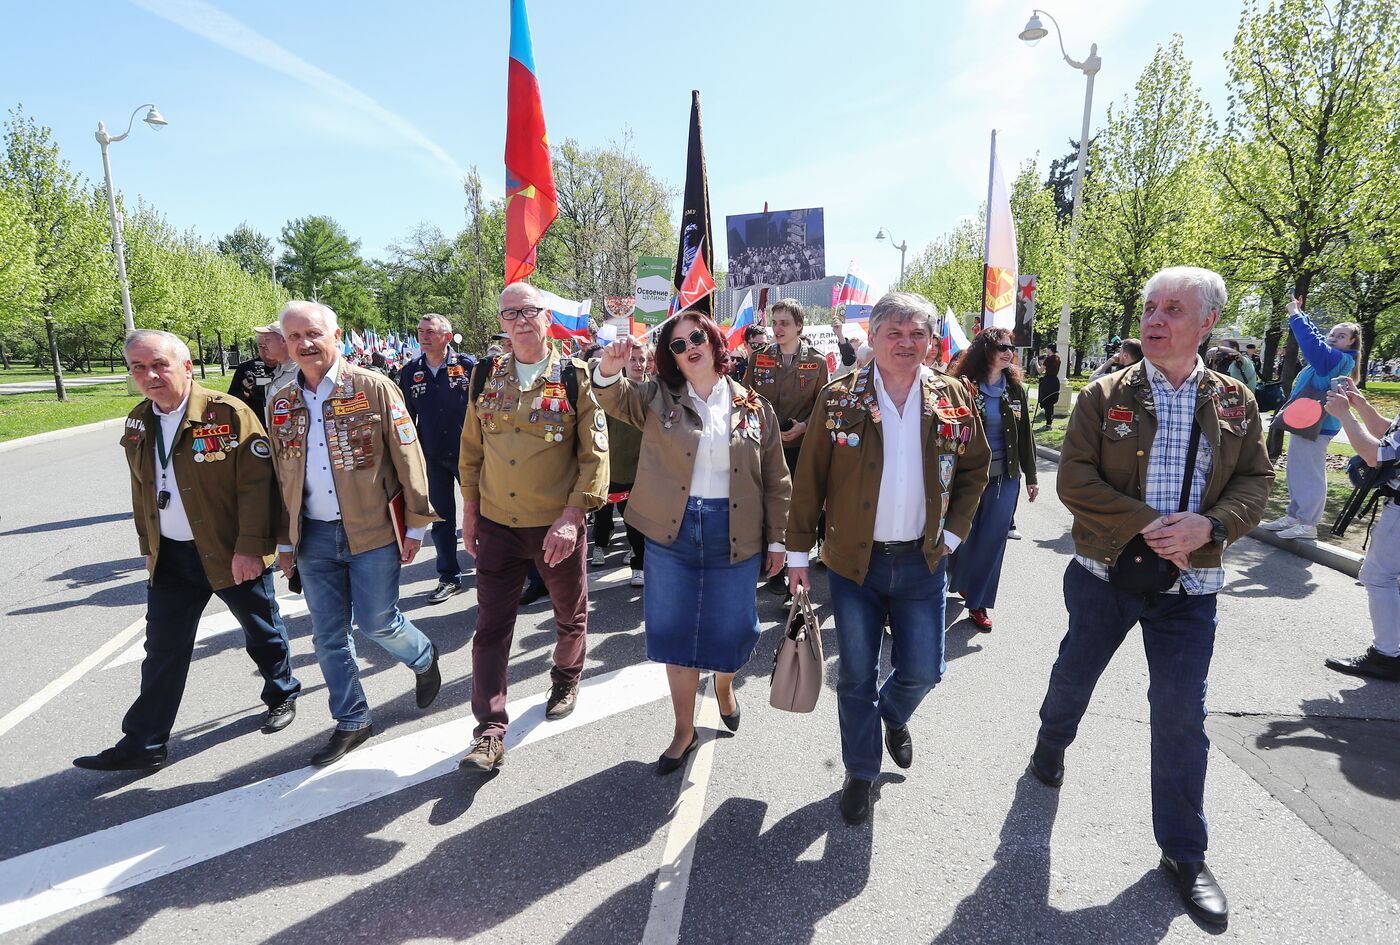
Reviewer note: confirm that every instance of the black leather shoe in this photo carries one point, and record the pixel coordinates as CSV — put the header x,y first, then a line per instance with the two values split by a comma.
x,y
1200,892
855,800
428,683
341,744
731,721
444,590
1372,665
900,745
122,759
279,717
1048,764
532,593
666,764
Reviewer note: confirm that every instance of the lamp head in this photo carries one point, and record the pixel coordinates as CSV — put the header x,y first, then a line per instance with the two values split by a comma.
x,y
1035,31
155,119
880,235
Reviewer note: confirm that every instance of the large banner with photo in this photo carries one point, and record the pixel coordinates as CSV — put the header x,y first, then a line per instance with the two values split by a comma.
x,y
776,247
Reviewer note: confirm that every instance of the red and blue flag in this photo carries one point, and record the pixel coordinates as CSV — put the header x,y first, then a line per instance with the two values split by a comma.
x,y
531,201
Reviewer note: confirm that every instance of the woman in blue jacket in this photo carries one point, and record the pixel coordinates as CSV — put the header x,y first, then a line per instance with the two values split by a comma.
x,y
1336,354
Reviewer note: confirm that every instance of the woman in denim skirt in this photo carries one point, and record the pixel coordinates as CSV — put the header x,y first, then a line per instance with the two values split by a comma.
x,y
710,495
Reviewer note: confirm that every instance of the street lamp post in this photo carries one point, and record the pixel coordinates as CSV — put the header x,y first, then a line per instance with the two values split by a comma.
x,y
157,121
902,247
1033,33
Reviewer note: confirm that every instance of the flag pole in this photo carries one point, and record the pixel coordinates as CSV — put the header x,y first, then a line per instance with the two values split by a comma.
x,y
987,225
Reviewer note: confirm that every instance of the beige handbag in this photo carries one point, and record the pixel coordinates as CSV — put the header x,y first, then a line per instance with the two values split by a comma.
x,y
798,664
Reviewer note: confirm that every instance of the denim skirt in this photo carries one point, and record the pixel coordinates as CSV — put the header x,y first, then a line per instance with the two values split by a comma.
x,y
701,610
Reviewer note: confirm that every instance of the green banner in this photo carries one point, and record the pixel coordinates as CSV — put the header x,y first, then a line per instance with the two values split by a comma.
x,y
653,289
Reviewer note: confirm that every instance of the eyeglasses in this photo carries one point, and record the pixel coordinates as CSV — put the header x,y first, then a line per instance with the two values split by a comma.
x,y
1006,347
678,345
529,311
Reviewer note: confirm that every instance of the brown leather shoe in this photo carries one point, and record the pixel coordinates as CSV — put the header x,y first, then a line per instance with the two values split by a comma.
x,y
488,753
563,696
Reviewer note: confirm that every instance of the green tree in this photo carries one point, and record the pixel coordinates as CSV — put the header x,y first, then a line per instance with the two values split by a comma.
x,y
67,230
319,254
251,250
1040,245
1310,156
1148,204
19,274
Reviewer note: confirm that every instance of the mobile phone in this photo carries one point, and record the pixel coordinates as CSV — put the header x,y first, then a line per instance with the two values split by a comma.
x,y
1336,385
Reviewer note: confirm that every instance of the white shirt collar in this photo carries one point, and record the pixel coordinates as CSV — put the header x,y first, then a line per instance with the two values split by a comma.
x,y
177,412
924,372
720,390
1154,375
333,375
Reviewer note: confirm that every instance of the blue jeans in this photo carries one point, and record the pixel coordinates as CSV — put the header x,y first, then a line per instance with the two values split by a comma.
x,y
903,588
442,494
340,587
1178,635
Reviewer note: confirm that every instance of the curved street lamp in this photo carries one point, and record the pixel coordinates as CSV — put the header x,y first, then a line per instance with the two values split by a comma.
x,y
902,247
157,121
1032,34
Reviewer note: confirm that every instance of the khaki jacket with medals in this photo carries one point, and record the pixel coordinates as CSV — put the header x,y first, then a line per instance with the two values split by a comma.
x,y
374,454
671,428
844,455
526,454
223,467
792,390
1108,443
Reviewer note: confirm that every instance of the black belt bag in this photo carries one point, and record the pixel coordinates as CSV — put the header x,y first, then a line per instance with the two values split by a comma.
x,y
1139,569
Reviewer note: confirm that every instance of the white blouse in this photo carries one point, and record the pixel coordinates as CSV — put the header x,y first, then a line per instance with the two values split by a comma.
x,y
710,478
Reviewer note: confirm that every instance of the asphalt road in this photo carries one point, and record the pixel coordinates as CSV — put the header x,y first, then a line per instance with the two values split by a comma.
x,y
577,840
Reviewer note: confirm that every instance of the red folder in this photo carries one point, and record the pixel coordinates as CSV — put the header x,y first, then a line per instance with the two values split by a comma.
x,y
396,517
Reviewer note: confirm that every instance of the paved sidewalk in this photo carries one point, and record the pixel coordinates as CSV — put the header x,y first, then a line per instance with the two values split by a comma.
x,y
69,380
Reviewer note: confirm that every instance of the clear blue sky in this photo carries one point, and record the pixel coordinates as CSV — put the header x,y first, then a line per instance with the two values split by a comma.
x,y
878,111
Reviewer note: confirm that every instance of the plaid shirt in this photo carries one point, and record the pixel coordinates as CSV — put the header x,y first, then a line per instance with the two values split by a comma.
x,y
1166,464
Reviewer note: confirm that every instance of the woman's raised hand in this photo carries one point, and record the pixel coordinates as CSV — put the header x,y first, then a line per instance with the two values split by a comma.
x,y
615,356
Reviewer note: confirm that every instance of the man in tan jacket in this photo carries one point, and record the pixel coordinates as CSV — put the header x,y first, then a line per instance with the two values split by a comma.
x,y
1137,442
204,501
898,456
355,489
534,462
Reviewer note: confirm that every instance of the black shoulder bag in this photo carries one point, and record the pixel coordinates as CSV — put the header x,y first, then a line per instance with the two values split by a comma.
x,y
1139,569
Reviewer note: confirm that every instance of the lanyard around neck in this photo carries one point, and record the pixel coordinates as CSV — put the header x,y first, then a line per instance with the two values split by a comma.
x,y
161,452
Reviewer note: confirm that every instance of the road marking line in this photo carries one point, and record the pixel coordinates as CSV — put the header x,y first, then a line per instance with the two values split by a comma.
x,y
673,877
37,701
45,882
211,626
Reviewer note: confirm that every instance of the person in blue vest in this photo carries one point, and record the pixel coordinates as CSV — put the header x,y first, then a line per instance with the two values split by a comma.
x,y
436,389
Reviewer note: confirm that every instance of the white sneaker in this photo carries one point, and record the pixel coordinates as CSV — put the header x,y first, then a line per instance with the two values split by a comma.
x,y
636,579
1014,535
1279,524
599,555
1299,531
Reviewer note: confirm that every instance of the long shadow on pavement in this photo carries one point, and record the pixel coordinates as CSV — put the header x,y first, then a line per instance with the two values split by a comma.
x,y
1011,904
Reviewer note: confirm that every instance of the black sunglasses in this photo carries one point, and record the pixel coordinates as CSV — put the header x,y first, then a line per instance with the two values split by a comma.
x,y
678,345
1006,347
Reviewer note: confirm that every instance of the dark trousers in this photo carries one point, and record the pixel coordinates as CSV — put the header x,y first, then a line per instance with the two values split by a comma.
x,y
503,556
1049,397
175,599
603,527
442,493
790,456
1178,634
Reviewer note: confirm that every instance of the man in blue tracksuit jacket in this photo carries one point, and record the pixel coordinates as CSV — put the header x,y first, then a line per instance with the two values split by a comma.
x,y
436,388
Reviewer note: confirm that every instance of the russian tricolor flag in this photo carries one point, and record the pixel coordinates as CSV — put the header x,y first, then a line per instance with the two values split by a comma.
x,y
567,318
855,288
531,201
742,319
954,339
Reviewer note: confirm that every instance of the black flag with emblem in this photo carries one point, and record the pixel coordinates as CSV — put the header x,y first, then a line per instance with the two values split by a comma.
x,y
695,211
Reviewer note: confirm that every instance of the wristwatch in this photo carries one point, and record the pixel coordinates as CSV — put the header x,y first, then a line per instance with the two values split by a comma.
x,y
1218,532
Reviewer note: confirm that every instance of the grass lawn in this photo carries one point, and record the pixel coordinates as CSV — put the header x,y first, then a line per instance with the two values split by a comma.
x,y
16,375
28,414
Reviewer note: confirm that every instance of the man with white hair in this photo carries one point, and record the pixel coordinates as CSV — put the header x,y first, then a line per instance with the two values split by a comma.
x,y
204,501
1163,466
435,388
356,497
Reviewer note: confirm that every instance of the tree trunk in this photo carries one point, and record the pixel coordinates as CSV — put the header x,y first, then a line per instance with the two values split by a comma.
x,y
4,355
1130,311
199,352
53,356
1367,321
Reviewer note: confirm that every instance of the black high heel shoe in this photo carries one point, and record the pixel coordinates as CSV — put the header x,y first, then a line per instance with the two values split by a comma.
x,y
731,721
666,764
